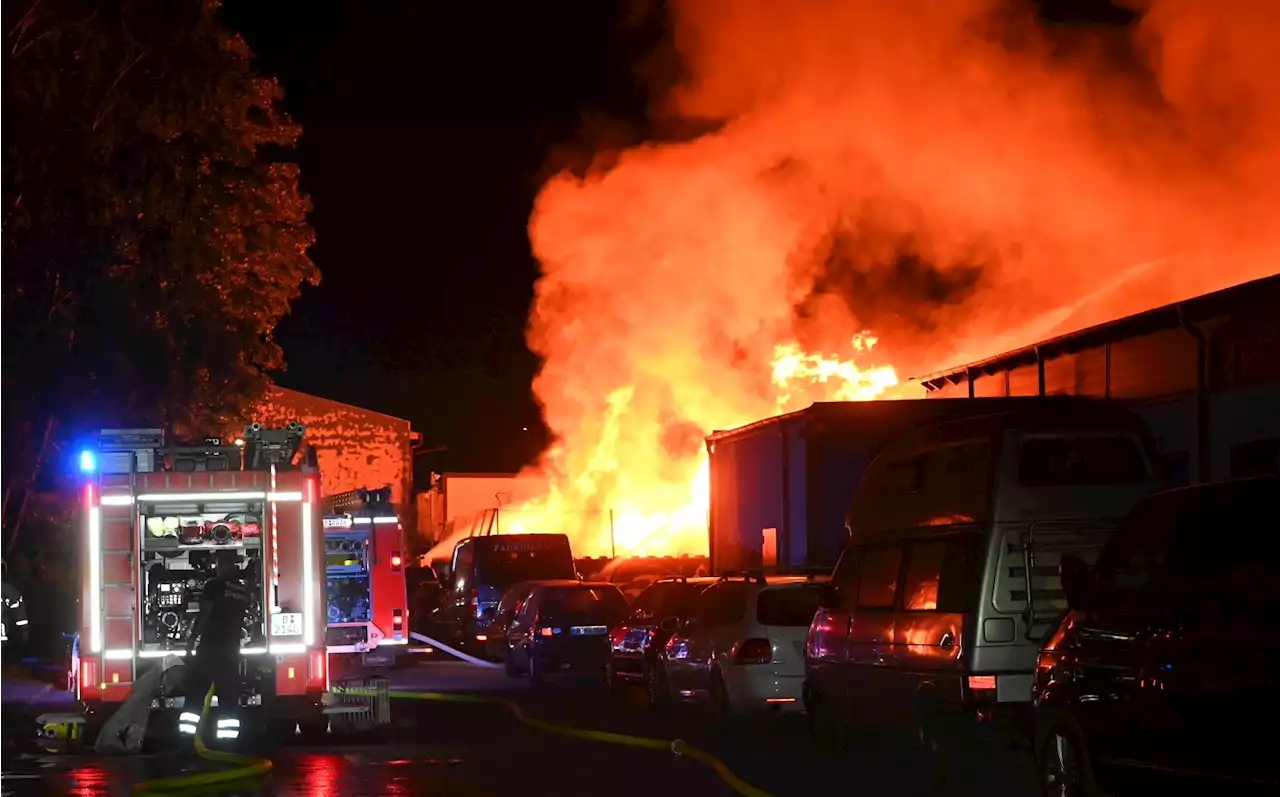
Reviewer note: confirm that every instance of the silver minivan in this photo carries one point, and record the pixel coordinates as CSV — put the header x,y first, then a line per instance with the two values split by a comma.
x,y
949,580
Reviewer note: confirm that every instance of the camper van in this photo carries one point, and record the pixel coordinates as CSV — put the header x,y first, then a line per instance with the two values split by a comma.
x,y
949,580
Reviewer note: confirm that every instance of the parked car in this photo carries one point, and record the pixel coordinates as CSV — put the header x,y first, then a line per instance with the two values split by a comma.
x,y
563,625
742,647
499,623
1165,669
635,644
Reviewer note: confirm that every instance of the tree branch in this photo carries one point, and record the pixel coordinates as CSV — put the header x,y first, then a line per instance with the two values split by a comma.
x,y
29,486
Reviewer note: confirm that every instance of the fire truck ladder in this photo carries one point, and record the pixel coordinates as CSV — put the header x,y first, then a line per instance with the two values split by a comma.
x,y
115,595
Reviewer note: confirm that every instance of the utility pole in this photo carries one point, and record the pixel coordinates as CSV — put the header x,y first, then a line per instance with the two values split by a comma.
x,y
613,544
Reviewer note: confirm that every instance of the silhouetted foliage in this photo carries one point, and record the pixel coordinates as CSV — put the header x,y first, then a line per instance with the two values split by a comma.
x,y
152,238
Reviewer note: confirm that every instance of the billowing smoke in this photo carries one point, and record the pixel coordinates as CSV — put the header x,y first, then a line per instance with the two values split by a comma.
x,y
947,174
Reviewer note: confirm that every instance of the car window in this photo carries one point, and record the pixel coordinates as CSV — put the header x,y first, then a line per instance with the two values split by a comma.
x,y
604,602
1235,576
462,562
529,608
844,581
655,598
1090,461
942,575
792,605
721,604
879,582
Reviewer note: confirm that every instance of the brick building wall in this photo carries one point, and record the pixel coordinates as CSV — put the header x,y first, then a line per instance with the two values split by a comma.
x,y
355,447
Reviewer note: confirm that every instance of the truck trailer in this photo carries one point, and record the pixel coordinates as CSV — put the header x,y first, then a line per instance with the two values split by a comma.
x,y
154,518
781,487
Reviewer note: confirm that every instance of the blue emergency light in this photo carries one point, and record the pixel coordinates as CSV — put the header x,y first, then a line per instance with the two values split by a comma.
x,y
88,461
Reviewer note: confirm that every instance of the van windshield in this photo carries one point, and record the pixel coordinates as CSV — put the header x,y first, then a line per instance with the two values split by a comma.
x,y
1087,461
501,565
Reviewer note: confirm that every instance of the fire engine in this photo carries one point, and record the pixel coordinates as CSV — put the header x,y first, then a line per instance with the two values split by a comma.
x,y
368,614
155,518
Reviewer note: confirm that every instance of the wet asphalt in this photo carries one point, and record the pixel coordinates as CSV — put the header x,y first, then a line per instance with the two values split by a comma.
x,y
458,749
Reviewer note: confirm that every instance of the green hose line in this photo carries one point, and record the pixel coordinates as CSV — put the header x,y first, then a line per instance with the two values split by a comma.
x,y
677,746
242,766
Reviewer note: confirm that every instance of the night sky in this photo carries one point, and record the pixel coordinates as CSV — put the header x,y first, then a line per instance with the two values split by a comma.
x,y
428,127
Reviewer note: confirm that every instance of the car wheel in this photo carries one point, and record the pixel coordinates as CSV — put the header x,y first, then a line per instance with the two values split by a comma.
x,y
720,703
509,664
824,727
659,693
611,684
1062,766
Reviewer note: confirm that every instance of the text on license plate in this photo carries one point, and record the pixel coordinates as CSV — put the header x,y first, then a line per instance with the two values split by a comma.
x,y
589,630
286,624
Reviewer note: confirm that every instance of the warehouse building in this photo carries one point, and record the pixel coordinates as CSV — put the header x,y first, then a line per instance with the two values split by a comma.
x,y
1204,374
780,488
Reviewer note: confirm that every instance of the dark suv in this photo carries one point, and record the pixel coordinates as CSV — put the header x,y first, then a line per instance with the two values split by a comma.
x,y
1166,665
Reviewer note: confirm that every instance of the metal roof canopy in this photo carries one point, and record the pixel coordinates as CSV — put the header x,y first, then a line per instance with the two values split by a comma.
x,y
1170,316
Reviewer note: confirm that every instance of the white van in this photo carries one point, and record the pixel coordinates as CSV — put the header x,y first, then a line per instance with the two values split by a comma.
x,y
949,579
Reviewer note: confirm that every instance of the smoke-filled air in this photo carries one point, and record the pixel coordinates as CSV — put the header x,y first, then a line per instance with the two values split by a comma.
x,y
889,188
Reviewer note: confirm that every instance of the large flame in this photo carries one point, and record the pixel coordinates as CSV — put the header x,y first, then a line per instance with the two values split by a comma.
x,y
631,494
949,175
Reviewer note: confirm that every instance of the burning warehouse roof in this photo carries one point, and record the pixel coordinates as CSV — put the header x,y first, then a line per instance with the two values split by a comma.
x,y
1205,372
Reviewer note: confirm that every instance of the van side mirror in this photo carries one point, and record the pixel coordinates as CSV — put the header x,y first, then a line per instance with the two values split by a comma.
x,y
670,624
1077,581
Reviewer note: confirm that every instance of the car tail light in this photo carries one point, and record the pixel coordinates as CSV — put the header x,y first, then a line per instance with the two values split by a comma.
x,y
754,651
397,618
982,683
396,561
617,635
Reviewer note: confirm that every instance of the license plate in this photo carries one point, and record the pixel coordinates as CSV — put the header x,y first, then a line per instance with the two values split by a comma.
x,y
589,630
286,624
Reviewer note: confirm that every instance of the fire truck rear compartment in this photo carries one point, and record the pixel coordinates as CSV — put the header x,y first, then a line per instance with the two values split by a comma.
x,y
174,569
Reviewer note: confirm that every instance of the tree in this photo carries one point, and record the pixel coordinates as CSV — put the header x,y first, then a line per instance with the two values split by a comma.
x,y
152,236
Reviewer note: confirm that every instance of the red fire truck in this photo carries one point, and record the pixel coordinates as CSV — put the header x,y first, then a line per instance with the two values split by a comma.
x,y
368,606
155,518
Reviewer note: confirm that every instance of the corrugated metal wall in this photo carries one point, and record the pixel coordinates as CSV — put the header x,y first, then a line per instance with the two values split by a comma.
x,y
1157,374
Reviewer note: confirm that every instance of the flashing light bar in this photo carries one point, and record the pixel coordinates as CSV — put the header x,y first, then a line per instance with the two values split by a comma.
x,y
125,653
378,520
161,498
88,462
116,500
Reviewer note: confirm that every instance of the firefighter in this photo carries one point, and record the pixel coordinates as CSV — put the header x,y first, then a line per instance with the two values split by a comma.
x,y
15,610
215,641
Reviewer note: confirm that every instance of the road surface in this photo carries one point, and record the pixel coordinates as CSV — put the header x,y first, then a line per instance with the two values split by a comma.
x,y
455,749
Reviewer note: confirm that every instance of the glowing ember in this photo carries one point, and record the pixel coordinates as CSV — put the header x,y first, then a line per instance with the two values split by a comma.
x,y
952,176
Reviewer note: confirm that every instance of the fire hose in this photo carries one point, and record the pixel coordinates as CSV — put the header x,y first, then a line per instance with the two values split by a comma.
x,y
677,746
242,766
